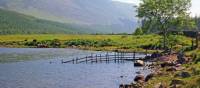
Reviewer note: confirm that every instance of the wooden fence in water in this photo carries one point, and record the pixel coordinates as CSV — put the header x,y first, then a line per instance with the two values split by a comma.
x,y
117,57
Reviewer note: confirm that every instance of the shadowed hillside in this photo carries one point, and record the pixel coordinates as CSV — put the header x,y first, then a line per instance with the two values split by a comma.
x,y
15,23
98,15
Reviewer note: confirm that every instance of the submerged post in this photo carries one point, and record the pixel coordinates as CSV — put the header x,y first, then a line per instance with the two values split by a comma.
x,y
134,55
86,59
96,58
73,61
121,56
76,60
115,57
100,57
118,57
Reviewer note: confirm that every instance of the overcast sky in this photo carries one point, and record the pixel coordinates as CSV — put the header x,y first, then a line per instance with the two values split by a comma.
x,y
195,9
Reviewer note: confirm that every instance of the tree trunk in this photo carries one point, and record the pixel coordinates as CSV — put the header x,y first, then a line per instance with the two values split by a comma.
x,y
197,39
165,39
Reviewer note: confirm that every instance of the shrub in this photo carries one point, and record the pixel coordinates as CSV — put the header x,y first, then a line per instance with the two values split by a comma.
x,y
138,31
33,43
55,43
94,43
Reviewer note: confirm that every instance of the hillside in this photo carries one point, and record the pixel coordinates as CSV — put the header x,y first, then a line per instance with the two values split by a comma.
x,y
99,15
15,23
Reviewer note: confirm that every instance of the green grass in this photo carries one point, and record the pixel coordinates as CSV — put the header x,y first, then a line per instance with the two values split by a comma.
x,y
119,42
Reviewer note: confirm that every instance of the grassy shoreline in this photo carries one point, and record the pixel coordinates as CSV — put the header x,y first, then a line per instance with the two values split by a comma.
x,y
90,42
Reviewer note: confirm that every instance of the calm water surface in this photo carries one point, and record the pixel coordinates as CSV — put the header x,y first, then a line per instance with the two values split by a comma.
x,y
39,73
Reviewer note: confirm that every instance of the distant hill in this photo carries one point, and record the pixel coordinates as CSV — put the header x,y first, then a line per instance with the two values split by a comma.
x,y
15,23
98,15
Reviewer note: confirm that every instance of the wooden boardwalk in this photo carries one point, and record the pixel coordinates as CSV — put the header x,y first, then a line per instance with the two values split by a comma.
x,y
117,57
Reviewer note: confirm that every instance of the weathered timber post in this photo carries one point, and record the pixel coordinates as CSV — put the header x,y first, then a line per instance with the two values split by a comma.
x,y
86,59
96,58
100,57
73,61
197,39
118,56
134,55
121,56
107,57
76,60
115,57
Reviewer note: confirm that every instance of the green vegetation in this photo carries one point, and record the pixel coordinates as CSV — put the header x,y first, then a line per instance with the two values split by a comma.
x,y
166,78
138,31
90,43
163,15
94,42
15,23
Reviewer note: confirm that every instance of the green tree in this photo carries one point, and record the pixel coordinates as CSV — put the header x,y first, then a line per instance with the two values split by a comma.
x,y
162,15
138,31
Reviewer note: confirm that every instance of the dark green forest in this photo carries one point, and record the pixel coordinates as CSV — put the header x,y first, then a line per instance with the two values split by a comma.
x,y
15,23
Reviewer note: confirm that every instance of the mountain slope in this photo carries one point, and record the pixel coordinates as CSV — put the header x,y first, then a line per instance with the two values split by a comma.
x,y
101,15
16,23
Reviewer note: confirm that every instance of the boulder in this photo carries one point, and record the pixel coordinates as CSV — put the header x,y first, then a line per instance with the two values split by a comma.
x,y
149,76
138,72
139,63
165,64
139,78
126,86
183,75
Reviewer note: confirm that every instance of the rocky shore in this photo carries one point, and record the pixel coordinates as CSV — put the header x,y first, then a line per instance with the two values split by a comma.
x,y
163,65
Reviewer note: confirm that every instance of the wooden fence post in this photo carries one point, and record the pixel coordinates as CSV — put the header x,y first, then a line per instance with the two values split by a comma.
x,y
86,59
115,57
76,60
73,60
96,58
100,57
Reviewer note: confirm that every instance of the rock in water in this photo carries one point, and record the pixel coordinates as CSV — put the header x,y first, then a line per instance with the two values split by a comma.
x,y
139,78
139,63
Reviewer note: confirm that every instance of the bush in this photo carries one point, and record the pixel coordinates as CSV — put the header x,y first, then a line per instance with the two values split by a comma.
x,y
138,31
94,43
33,43
55,43
44,43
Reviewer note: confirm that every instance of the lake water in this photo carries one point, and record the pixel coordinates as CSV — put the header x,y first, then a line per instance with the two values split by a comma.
x,y
37,72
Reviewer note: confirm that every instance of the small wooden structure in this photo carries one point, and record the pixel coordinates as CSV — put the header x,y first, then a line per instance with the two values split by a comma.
x,y
117,57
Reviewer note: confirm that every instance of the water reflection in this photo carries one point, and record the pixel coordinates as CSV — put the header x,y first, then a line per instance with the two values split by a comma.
x,y
42,74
